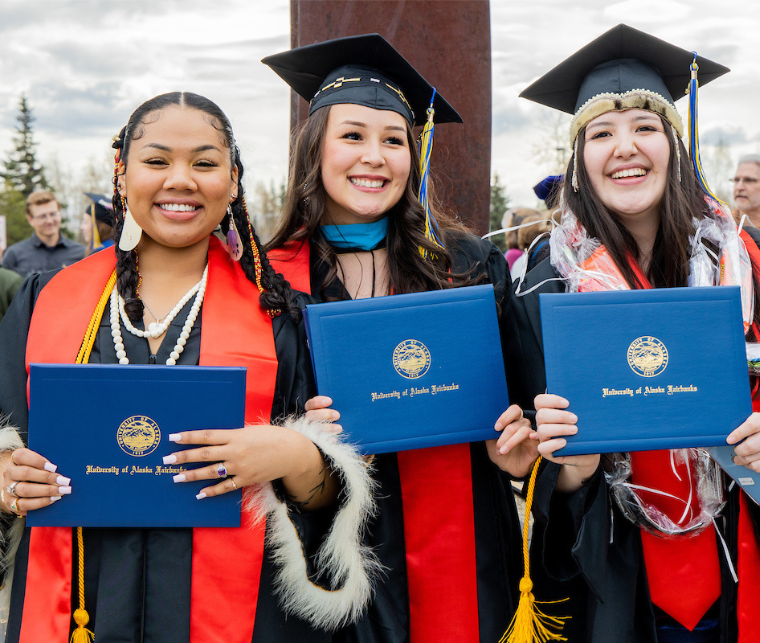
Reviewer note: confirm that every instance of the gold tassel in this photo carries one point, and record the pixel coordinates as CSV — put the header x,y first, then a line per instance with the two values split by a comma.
x,y
530,624
81,617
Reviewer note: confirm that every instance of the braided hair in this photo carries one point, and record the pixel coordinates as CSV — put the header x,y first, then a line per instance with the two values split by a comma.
x,y
276,294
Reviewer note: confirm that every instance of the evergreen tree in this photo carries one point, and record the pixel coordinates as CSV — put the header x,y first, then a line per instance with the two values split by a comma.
x,y
22,171
499,205
13,208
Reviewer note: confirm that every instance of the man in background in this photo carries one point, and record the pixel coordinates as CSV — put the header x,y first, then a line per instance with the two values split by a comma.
x,y
747,189
47,248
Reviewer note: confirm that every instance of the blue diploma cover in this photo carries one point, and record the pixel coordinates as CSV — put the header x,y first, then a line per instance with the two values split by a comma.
x,y
411,371
647,369
107,428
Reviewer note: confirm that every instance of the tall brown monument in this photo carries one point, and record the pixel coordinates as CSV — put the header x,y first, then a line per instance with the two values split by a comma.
x,y
449,42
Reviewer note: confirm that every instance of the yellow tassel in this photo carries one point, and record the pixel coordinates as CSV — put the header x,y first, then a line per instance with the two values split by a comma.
x,y
530,624
82,634
81,617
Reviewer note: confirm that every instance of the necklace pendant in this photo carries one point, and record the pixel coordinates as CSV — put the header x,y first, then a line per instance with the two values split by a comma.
x,y
155,330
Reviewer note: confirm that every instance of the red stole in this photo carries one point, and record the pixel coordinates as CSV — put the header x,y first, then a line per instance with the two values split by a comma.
x,y
226,562
748,563
439,540
683,573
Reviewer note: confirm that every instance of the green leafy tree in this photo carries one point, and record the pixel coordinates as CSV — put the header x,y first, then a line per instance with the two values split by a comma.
x,y
499,205
13,207
22,170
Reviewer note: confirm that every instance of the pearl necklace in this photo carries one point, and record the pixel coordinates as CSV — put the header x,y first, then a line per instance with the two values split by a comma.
x,y
157,329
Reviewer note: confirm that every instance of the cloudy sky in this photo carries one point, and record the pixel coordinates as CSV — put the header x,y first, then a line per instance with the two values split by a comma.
x,y
86,64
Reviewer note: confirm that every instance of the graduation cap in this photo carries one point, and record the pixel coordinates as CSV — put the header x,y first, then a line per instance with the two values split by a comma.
x,y
623,68
366,70
548,186
101,208
360,70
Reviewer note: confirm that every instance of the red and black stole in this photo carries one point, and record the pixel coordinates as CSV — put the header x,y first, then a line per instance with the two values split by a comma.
x,y
439,541
226,562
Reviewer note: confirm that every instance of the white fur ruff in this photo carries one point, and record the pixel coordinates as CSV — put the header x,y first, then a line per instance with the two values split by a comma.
x,y
344,559
9,441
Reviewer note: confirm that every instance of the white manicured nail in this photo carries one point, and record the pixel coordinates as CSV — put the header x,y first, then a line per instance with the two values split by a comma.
x,y
63,481
170,459
55,498
49,466
180,477
64,491
200,496
175,437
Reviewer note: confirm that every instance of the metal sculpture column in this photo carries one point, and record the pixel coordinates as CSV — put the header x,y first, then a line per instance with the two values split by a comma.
x,y
450,44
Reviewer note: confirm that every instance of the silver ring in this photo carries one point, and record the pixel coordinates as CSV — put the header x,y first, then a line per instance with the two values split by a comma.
x,y
221,470
234,486
12,488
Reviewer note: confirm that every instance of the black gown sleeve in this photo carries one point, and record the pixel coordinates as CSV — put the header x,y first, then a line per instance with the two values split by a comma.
x,y
13,332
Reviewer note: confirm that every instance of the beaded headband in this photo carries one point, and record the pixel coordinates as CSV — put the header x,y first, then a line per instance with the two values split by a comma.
x,y
633,99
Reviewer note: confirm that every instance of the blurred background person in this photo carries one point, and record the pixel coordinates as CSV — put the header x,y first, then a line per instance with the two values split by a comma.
x,y
747,188
47,248
97,224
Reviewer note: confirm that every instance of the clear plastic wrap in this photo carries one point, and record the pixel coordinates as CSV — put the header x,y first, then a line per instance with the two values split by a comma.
x,y
753,358
707,481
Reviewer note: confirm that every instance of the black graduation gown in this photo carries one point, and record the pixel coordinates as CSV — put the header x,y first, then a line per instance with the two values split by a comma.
x,y
571,552
497,527
137,581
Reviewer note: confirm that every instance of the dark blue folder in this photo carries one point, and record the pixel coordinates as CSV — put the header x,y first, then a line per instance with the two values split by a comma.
x,y
647,369
411,371
107,428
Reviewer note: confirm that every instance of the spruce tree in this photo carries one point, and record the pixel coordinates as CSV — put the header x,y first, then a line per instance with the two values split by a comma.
x,y
22,170
499,205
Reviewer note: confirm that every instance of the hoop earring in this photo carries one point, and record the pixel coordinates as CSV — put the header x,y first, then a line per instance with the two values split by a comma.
x,y
130,231
574,182
234,245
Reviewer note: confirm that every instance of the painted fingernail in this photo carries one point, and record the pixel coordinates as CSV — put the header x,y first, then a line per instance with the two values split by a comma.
x,y
170,459
175,437
49,466
64,491
180,477
55,498
200,496
62,481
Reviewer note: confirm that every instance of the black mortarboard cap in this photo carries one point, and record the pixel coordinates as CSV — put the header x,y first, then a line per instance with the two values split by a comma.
x,y
651,73
103,208
620,60
361,70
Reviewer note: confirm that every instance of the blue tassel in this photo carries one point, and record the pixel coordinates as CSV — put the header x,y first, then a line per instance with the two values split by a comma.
x,y
696,159
426,149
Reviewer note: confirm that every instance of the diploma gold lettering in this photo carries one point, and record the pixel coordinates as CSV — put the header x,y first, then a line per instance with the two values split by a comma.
x,y
135,469
96,469
385,396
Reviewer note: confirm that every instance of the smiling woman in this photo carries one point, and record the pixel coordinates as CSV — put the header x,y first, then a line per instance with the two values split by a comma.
x,y
637,214
187,301
361,220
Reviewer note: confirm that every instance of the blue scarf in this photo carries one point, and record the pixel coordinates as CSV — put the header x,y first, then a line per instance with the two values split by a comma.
x,y
358,236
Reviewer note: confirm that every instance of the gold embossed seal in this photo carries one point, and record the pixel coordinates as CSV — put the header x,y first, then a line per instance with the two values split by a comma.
x,y
138,435
647,356
411,359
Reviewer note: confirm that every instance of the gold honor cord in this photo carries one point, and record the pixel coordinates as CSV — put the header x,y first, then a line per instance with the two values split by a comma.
x,y
81,617
530,624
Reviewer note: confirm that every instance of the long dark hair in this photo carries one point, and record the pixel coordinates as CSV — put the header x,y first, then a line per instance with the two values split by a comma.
x,y
683,200
276,294
305,206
